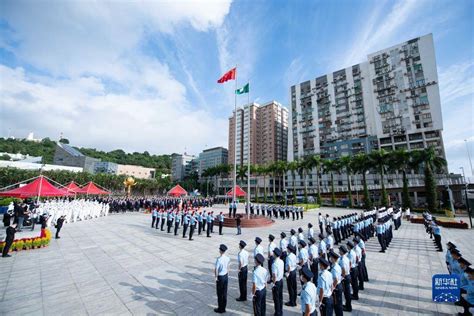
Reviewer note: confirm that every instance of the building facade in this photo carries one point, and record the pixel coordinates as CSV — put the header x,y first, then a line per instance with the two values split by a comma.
x,y
212,157
182,165
265,127
66,155
138,172
105,167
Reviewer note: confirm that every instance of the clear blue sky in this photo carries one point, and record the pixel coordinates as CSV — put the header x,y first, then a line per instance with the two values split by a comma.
x,y
143,76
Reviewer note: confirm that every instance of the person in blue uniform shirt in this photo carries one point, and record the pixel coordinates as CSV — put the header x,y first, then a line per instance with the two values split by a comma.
x,y
221,222
324,288
309,294
192,225
258,248
177,221
271,246
352,256
260,277
290,266
361,245
221,274
243,261
200,221
186,220
163,217
346,278
450,246
277,271
154,215
336,272
464,264
283,246
208,224
313,258
360,271
467,302
169,220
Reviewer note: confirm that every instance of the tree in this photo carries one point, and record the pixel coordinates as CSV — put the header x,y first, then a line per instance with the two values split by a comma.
x,y
303,166
281,169
315,162
432,162
64,141
330,166
379,159
293,168
347,165
404,161
361,164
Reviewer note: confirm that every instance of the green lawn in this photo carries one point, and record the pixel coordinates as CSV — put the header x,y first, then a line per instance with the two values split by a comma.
x,y
308,206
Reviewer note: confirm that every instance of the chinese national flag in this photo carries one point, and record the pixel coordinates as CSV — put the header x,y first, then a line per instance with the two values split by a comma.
x,y
230,75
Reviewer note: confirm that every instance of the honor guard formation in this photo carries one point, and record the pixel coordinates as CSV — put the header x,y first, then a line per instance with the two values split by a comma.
x,y
329,267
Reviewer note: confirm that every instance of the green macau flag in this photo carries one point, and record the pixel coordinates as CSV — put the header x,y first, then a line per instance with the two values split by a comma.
x,y
244,89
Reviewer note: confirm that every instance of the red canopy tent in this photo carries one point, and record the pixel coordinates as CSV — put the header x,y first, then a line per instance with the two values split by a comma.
x,y
238,192
39,187
92,189
73,187
177,191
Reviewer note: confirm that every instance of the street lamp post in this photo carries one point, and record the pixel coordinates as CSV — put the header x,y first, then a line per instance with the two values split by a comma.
x,y
469,156
465,192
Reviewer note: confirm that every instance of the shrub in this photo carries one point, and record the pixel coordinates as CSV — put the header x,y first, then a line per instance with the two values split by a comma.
x,y
37,242
2,245
19,245
28,244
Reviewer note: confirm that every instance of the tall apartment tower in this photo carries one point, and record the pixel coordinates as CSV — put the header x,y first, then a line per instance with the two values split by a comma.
x,y
266,126
390,101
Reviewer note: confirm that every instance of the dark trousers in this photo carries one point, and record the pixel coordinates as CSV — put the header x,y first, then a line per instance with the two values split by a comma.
x,y
360,276
212,227
191,231
199,228
259,302
6,248
297,215
157,222
355,286
176,226
230,212
326,306
438,242
221,289
243,282
314,268
277,293
381,241
346,287
364,269
291,283
270,262
208,230
162,224
234,211
337,300
185,230
153,220
321,227
221,224
58,229
293,215
170,224
466,306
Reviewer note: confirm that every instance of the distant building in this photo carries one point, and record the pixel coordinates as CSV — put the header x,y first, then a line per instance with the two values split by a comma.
x,y
106,167
66,155
212,157
138,172
23,158
36,166
182,166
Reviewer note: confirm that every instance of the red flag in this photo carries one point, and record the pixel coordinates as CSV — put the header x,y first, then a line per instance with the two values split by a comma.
x,y
230,75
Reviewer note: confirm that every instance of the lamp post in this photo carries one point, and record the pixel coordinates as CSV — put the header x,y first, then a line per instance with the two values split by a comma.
x,y
469,156
465,192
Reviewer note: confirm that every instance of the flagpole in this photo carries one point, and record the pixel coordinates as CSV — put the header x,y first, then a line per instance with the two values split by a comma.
x,y
235,138
248,148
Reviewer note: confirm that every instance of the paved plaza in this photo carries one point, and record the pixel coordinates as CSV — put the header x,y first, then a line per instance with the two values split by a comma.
x,y
118,265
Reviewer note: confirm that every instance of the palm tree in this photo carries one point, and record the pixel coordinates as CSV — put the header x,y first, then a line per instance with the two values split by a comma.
x,y
361,164
379,159
264,170
315,162
241,174
402,160
302,169
255,170
347,165
293,167
432,162
273,170
282,168
330,166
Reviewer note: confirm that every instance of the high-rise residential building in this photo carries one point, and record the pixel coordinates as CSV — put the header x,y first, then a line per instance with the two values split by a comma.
x,y
266,126
212,157
390,101
182,165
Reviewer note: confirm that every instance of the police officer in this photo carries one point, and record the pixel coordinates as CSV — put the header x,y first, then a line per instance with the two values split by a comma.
x,y
291,275
200,221
336,272
169,220
192,226
221,222
354,270
324,289
283,246
154,215
277,280
258,248
260,277
163,216
243,260
309,297
222,277
208,224
177,221
346,278
271,246
186,220
313,258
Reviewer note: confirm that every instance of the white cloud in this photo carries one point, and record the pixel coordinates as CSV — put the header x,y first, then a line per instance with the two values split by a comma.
x,y
96,85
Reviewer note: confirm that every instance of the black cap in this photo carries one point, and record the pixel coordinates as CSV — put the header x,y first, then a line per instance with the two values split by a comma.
x,y
223,248
455,251
302,243
321,236
292,231
307,273
464,261
310,225
282,235
469,270
300,230
323,262
350,244
271,237
277,252
312,240
451,245
356,239
258,240
260,259
291,247
333,254
242,244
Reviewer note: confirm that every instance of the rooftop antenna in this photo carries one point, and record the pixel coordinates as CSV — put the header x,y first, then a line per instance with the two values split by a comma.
x,y
60,135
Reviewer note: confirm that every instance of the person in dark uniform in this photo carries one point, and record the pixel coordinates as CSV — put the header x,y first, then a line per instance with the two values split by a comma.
x,y
177,220
221,222
259,291
6,219
243,260
59,225
277,273
222,278
230,210
192,226
239,228
9,240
